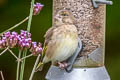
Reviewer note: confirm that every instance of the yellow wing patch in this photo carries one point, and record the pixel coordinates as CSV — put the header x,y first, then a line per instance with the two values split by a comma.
x,y
44,50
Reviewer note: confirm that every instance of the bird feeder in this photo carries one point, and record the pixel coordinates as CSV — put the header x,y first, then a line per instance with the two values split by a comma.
x,y
90,18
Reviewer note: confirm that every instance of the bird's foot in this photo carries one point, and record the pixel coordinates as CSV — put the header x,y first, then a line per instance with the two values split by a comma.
x,y
62,65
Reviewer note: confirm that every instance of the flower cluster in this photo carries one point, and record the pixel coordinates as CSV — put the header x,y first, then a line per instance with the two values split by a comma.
x,y
8,39
22,40
36,48
37,8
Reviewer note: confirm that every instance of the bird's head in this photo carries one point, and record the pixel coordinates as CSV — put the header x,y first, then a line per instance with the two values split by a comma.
x,y
64,16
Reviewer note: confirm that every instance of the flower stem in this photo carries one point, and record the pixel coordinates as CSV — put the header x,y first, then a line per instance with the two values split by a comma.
x,y
13,54
15,25
2,75
27,56
4,51
18,65
23,65
30,15
33,71
28,29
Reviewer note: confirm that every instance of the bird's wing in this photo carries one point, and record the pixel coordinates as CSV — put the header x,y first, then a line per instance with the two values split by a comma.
x,y
51,43
50,51
47,39
48,35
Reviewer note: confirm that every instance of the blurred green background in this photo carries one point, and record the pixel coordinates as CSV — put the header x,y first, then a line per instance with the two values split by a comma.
x,y
13,11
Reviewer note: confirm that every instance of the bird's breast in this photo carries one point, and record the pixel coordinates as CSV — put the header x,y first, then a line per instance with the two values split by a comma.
x,y
62,44
65,49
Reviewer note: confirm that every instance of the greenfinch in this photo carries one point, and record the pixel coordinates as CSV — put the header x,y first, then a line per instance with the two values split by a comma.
x,y
61,40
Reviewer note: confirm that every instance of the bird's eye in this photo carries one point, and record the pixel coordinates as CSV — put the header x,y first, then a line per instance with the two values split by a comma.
x,y
64,14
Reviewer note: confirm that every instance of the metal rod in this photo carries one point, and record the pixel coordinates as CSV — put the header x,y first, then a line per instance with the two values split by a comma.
x,y
96,2
104,2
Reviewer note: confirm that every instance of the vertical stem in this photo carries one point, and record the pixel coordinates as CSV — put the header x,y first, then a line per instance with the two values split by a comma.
x,y
28,29
23,65
33,71
30,15
18,65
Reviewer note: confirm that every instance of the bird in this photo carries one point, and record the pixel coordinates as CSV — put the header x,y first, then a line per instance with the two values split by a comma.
x,y
61,40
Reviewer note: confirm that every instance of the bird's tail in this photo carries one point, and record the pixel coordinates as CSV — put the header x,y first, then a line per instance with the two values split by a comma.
x,y
39,67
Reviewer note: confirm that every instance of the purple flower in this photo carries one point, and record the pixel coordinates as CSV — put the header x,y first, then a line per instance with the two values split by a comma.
x,y
34,44
7,34
36,49
22,40
39,44
15,33
4,38
23,34
29,35
1,44
37,8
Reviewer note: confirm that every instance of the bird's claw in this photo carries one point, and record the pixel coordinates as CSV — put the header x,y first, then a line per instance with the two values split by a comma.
x,y
63,65
69,68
